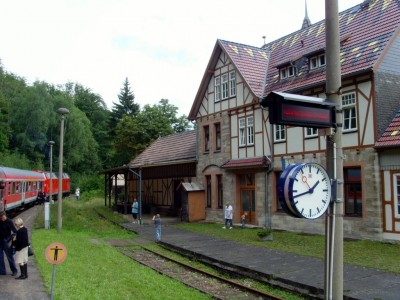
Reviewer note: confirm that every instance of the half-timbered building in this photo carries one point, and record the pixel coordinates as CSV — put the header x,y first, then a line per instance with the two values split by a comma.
x,y
241,155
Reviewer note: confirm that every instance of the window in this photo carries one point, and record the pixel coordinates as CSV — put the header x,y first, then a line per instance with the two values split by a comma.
x,y
396,187
280,133
242,135
246,131
317,61
311,132
218,136
217,88
349,112
287,72
232,83
224,86
206,138
220,191
250,131
208,183
352,192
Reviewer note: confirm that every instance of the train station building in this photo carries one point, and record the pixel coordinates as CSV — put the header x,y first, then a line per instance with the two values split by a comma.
x,y
236,155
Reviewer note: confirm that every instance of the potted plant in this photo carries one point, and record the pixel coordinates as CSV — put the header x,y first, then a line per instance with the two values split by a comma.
x,y
264,235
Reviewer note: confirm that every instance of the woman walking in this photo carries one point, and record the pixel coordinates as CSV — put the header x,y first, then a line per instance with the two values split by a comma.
x,y
21,244
157,224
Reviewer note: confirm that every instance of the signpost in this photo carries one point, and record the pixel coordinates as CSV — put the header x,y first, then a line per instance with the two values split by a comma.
x,y
55,253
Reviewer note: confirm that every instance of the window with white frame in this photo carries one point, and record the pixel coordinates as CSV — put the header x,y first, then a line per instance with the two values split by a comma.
x,y
224,82
317,61
242,132
217,88
225,86
246,131
232,83
349,112
287,72
250,131
280,133
311,132
396,192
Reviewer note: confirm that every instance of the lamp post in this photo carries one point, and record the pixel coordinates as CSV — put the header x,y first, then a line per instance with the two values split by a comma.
x,y
62,111
47,203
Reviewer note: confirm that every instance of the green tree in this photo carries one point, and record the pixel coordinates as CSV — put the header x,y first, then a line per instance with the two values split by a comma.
x,y
133,135
29,117
96,111
126,105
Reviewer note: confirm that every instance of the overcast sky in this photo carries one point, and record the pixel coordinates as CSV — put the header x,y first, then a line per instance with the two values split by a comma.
x,y
161,46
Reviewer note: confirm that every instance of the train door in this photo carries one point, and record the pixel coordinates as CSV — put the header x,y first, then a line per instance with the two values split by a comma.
x,y
247,197
23,188
2,188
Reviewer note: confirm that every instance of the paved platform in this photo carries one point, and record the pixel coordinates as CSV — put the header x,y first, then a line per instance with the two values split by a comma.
x,y
31,288
282,269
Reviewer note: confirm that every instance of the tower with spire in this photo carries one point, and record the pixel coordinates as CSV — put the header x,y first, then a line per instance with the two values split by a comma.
x,y
306,21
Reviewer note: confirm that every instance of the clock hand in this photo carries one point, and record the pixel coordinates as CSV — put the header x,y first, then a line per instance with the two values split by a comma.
x,y
304,179
301,194
314,186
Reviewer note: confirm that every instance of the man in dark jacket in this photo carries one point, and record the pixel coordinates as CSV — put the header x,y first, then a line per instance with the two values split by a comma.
x,y
7,230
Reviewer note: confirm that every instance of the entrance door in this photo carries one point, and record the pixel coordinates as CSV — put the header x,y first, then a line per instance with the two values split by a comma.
x,y
247,199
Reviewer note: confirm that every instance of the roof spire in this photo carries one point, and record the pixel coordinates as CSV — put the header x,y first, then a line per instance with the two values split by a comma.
x,y
306,21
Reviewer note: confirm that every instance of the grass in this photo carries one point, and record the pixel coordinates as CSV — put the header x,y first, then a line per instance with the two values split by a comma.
x,y
371,254
93,269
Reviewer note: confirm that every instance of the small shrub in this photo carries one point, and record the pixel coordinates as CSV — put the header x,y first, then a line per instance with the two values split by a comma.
x,y
263,233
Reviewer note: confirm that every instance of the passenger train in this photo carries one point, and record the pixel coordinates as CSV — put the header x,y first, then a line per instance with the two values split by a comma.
x,y
19,188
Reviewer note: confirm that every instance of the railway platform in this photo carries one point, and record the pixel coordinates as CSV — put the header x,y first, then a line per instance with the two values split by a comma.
x,y
33,287
301,273
304,274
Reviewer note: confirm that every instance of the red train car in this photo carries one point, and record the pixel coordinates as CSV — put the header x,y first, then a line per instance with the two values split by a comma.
x,y
19,187
66,184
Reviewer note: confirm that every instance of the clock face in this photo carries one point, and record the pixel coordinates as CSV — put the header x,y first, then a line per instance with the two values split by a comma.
x,y
308,190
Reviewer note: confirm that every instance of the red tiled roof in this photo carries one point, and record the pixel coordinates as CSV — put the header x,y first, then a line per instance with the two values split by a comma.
x,y
251,63
365,31
246,163
391,136
174,148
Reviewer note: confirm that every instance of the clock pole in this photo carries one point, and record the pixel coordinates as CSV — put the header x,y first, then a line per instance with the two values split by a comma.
x,y
334,155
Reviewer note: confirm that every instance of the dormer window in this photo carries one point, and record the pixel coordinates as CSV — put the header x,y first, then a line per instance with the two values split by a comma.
x,y
287,72
317,61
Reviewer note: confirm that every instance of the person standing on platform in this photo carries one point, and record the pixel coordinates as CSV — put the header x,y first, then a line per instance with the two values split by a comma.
x,y
243,219
157,225
228,216
7,230
135,209
77,193
21,243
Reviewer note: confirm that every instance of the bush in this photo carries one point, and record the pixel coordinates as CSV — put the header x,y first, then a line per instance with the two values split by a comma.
x,y
263,233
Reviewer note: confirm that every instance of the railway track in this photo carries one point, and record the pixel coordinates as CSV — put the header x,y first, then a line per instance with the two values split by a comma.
x,y
216,286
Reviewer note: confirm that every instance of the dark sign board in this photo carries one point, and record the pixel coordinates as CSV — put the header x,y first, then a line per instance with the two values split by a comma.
x,y
297,110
